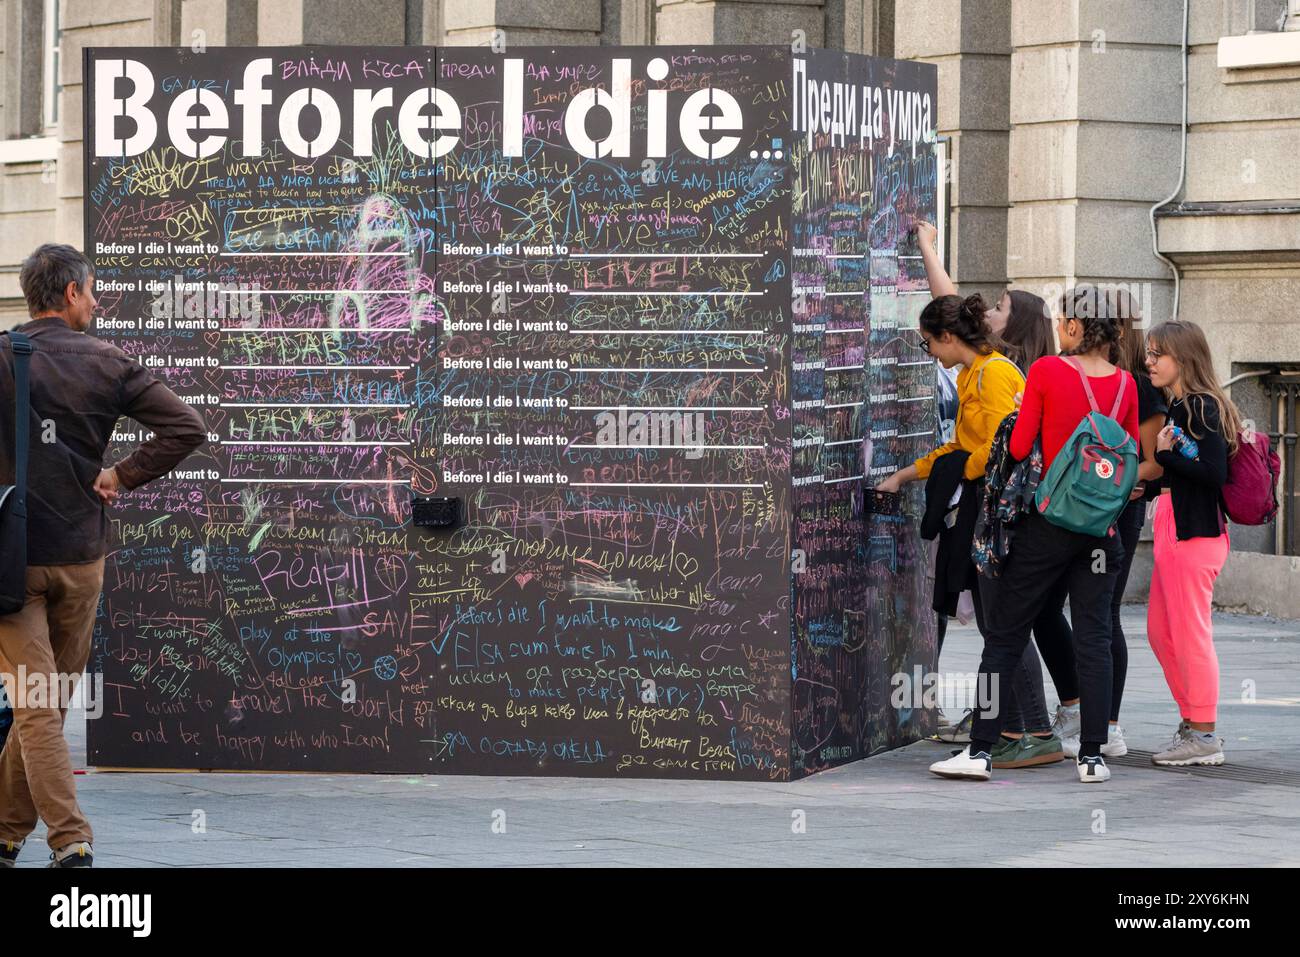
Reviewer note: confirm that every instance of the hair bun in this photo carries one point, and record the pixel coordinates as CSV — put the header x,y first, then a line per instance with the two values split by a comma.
x,y
974,306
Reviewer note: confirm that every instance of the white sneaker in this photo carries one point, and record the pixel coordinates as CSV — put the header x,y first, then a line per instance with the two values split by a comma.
x,y
1115,746
1065,723
1092,770
963,764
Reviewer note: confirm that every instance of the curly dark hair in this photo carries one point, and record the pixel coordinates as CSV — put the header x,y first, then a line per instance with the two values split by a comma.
x,y
1099,311
964,318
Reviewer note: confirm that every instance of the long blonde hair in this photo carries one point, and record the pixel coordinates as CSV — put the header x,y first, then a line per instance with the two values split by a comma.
x,y
1185,342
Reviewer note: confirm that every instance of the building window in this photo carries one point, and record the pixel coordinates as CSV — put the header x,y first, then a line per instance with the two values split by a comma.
x,y
1272,40
1276,15
50,86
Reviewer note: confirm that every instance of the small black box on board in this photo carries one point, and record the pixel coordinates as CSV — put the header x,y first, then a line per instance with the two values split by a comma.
x,y
884,503
435,512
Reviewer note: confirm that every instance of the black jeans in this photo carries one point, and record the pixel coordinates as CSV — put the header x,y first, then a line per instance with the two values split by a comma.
x,y
1055,640
1042,557
1026,708
1058,655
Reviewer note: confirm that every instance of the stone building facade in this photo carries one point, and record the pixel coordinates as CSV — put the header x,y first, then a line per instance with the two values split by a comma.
x,y
1071,154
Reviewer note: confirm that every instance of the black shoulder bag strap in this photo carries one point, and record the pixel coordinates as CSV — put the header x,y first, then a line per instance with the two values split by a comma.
x,y
22,347
13,499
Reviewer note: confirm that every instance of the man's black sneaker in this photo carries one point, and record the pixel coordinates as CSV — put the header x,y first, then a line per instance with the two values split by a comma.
x,y
74,855
9,852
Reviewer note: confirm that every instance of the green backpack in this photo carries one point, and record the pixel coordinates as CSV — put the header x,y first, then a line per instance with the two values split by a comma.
x,y
1091,478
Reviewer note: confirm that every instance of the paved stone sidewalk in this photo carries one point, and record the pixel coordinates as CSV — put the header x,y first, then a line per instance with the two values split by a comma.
x,y
887,810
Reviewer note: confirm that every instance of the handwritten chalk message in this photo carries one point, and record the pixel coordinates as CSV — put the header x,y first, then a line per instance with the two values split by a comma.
x,y
561,286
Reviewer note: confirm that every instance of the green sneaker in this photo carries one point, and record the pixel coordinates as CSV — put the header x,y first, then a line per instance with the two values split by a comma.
x,y
1027,752
1004,747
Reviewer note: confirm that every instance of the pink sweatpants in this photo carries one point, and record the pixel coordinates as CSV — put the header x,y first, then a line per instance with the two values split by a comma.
x,y
1178,615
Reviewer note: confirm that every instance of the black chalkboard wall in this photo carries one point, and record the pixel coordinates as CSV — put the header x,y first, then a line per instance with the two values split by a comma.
x,y
636,309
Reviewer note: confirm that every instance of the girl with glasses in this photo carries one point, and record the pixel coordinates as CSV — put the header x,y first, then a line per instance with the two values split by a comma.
x,y
1191,535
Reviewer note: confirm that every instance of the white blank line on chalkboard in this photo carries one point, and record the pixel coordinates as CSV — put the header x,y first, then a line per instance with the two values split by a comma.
x,y
325,329
914,435
849,292
313,405
318,292
272,442
671,484
578,445
917,398
668,332
843,405
654,292
314,481
679,408
695,255
291,253
605,369
384,368
846,442
851,478
843,368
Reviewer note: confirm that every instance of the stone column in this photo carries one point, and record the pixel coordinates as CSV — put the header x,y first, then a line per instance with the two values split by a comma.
x,y
24,48
289,22
860,26
523,22
86,23
970,42
627,22
1096,107
739,21
224,23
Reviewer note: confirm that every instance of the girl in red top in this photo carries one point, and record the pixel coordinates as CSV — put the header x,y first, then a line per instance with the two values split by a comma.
x,y
1044,554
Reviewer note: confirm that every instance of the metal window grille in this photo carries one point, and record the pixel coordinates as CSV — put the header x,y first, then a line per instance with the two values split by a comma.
x,y
1282,392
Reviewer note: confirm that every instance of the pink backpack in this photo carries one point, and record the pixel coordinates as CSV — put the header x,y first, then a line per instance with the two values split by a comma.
x,y
1250,495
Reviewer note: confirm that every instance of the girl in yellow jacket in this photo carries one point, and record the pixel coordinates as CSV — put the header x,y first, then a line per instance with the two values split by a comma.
x,y
956,332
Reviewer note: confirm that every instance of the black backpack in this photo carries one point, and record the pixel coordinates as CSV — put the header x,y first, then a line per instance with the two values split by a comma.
x,y
13,498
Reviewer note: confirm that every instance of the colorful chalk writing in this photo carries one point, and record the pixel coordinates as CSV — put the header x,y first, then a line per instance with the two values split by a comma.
x,y
619,302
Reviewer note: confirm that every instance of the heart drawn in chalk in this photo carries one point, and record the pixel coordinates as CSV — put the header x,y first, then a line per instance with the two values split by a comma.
x,y
164,344
391,571
353,660
213,339
523,578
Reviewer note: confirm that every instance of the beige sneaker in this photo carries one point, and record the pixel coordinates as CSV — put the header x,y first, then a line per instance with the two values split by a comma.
x,y
1184,730
1192,749
958,733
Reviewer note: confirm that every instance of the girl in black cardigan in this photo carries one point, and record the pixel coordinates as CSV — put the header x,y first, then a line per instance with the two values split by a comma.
x,y
1191,537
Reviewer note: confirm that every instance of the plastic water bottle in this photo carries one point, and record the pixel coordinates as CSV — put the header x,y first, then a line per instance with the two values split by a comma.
x,y
1185,444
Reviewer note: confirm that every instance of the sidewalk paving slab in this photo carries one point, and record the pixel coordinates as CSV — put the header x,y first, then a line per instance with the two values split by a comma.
x,y
885,811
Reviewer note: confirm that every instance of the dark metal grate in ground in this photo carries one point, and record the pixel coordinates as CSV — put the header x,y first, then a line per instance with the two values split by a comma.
x,y
1224,772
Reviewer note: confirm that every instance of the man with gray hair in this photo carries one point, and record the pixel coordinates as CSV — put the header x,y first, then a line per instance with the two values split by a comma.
x,y
80,386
